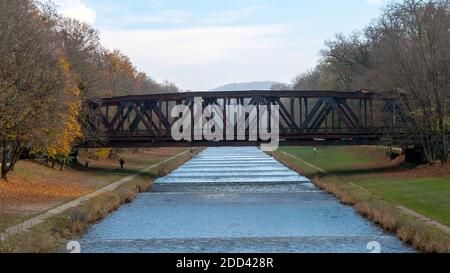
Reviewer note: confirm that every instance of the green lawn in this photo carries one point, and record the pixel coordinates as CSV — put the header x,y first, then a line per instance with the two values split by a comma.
x,y
429,196
337,158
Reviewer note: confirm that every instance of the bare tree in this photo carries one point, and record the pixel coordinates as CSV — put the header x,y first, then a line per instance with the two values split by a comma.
x,y
281,87
407,50
310,80
413,56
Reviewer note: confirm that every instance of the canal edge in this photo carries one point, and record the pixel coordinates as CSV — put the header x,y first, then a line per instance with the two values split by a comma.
x,y
29,224
406,224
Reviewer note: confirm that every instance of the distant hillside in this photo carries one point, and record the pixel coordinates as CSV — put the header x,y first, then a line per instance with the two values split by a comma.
x,y
263,85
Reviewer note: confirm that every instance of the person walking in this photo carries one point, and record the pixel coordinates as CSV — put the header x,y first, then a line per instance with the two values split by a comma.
x,y
122,163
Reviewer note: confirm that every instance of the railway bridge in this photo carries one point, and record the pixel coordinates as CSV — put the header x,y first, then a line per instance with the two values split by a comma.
x,y
305,118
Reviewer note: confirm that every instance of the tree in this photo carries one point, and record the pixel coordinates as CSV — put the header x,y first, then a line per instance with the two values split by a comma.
x,y
412,55
406,51
345,62
310,80
65,128
280,87
52,69
81,45
33,73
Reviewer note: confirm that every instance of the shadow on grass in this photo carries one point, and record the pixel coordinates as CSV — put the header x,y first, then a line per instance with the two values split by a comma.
x,y
117,171
367,171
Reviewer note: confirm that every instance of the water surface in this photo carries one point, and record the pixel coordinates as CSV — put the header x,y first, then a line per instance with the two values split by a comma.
x,y
236,200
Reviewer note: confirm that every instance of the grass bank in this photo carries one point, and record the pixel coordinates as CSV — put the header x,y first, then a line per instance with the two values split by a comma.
x,y
382,190
55,232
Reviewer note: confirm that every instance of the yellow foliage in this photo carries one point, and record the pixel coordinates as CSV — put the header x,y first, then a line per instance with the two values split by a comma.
x,y
65,66
67,129
447,123
102,153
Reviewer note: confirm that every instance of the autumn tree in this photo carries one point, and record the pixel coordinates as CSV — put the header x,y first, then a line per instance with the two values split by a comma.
x,y
52,69
101,73
82,48
124,79
62,128
38,101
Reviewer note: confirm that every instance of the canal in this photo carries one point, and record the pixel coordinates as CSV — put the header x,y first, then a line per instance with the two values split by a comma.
x,y
236,200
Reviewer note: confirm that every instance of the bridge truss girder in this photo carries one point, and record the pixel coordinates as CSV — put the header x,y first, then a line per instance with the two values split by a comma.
x,y
306,117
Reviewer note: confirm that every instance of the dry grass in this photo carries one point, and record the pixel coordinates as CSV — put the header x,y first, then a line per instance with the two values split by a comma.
x,y
133,160
54,233
422,236
34,187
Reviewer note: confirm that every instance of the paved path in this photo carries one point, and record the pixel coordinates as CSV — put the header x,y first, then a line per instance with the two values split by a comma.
x,y
405,210
425,219
25,226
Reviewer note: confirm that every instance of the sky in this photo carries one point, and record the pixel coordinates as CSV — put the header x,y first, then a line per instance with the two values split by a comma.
x,y
203,44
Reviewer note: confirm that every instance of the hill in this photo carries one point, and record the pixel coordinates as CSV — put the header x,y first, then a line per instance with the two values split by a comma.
x,y
259,85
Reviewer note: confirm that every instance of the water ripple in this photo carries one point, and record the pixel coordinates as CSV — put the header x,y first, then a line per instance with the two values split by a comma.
x,y
236,200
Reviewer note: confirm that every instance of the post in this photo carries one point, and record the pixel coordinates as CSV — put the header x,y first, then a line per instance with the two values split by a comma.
x,y
224,118
160,107
292,117
365,114
360,114
301,111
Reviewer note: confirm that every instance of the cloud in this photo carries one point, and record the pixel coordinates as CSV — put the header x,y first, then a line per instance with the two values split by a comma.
x,y
76,9
186,16
164,16
205,57
191,46
376,2
231,16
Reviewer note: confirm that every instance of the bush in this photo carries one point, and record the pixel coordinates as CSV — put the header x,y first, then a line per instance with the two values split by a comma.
x,y
393,155
98,154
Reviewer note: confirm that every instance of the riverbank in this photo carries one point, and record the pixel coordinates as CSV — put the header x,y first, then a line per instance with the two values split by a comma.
x,y
412,202
34,189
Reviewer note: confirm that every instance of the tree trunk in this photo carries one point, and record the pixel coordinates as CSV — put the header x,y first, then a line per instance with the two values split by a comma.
x,y
444,145
63,163
11,155
5,155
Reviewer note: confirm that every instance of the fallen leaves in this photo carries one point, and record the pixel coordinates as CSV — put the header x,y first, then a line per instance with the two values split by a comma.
x,y
37,186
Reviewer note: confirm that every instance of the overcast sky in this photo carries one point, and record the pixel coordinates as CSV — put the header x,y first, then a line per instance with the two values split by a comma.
x,y
202,44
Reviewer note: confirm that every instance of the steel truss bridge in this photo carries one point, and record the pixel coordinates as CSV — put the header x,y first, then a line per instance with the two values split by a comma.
x,y
306,118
